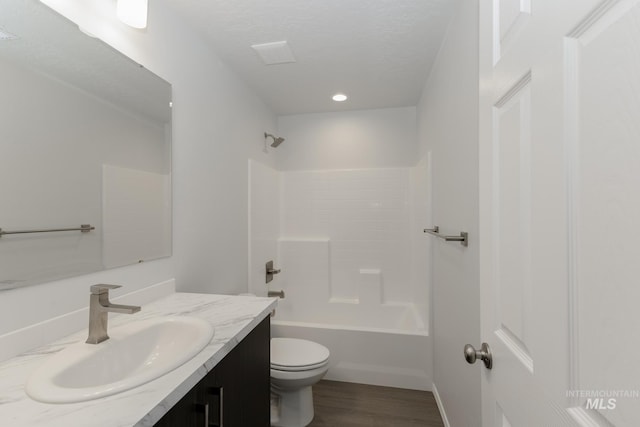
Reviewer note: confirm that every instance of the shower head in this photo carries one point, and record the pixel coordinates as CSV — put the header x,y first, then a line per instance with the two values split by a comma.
x,y
276,139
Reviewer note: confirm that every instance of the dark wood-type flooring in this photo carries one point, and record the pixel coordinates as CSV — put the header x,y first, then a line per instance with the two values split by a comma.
x,y
339,404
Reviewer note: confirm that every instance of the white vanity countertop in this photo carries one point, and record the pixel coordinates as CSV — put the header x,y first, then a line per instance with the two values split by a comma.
x,y
233,317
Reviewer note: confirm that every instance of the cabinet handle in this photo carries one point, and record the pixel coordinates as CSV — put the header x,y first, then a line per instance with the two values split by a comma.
x,y
204,407
221,421
219,391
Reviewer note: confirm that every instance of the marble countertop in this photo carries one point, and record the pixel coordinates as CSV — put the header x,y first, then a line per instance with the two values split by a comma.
x,y
233,317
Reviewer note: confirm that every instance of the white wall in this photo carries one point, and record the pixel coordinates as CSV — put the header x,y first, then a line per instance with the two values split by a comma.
x,y
348,139
217,124
264,225
448,129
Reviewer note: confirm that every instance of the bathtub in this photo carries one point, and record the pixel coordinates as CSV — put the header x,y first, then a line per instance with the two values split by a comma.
x,y
364,348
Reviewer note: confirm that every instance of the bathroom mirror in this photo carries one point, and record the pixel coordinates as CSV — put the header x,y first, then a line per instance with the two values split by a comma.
x,y
84,139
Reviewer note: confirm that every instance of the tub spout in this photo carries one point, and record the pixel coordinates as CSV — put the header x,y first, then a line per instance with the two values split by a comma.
x,y
279,294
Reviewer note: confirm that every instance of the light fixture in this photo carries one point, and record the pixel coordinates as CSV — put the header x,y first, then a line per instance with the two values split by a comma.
x,y
339,97
133,12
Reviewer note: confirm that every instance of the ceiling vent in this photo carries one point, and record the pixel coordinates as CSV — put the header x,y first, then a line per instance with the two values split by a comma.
x,y
274,53
5,35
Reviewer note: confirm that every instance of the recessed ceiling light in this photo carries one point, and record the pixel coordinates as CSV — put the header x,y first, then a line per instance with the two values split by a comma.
x,y
339,97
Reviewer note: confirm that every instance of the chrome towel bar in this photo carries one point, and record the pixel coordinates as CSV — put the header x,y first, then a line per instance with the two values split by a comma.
x,y
463,238
85,228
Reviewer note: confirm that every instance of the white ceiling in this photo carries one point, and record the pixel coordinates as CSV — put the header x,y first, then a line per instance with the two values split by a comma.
x,y
52,45
378,52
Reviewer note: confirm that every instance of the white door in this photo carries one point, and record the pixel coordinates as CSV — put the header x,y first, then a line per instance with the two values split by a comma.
x,y
560,211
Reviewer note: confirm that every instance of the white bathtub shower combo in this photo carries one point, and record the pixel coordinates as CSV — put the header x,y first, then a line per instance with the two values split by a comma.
x,y
354,266
391,350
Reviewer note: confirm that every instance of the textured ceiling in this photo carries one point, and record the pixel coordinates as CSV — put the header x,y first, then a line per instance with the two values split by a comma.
x,y
52,45
379,52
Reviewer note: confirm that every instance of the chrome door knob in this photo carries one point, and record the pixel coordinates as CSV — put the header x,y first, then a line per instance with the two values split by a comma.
x,y
484,354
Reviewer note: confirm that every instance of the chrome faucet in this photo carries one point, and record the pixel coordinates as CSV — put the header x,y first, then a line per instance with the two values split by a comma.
x,y
99,307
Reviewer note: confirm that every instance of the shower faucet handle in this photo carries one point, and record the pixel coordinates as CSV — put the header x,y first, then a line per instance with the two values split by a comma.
x,y
270,271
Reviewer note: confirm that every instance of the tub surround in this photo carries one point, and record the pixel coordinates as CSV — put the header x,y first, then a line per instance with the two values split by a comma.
x,y
354,270
384,357
234,317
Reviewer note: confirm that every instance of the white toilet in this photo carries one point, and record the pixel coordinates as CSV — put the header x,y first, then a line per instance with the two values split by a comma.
x,y
296,365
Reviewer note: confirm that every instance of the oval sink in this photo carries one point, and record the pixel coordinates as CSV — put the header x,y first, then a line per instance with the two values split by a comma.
x,y
135,354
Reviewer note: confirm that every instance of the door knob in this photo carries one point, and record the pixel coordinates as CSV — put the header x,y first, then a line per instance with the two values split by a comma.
x,y
484,354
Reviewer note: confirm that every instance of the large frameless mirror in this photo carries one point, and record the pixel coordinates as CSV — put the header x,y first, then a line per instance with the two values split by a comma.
x,y
85,137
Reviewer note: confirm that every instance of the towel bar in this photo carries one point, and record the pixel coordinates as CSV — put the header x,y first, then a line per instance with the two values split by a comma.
x,y
85,228
463,238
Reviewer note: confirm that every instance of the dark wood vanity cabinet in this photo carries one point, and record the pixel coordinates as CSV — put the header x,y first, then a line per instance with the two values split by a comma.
x,y
235,393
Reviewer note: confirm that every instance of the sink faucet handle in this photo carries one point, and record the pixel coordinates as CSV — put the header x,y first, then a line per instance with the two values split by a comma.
x,y
103,289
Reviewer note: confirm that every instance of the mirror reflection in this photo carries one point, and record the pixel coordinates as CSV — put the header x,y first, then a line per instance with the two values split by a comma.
x,y
85,140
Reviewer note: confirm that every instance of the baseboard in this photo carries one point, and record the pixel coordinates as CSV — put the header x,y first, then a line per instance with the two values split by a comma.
x,y
443,414
387,376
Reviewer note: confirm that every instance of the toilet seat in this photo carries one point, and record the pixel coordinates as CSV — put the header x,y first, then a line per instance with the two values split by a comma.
x,y
294,355
299,368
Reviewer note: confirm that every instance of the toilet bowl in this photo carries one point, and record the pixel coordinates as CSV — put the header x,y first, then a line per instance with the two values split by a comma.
x,y
296,365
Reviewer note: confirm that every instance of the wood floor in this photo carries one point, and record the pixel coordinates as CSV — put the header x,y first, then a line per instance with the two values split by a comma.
x,y
339,404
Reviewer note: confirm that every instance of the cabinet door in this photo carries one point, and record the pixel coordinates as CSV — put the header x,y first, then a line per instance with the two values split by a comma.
x,y
256,377
235,394
224,390
242,380
188,412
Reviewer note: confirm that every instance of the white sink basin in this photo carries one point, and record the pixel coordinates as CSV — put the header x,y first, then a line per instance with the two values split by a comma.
x,y
135,354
